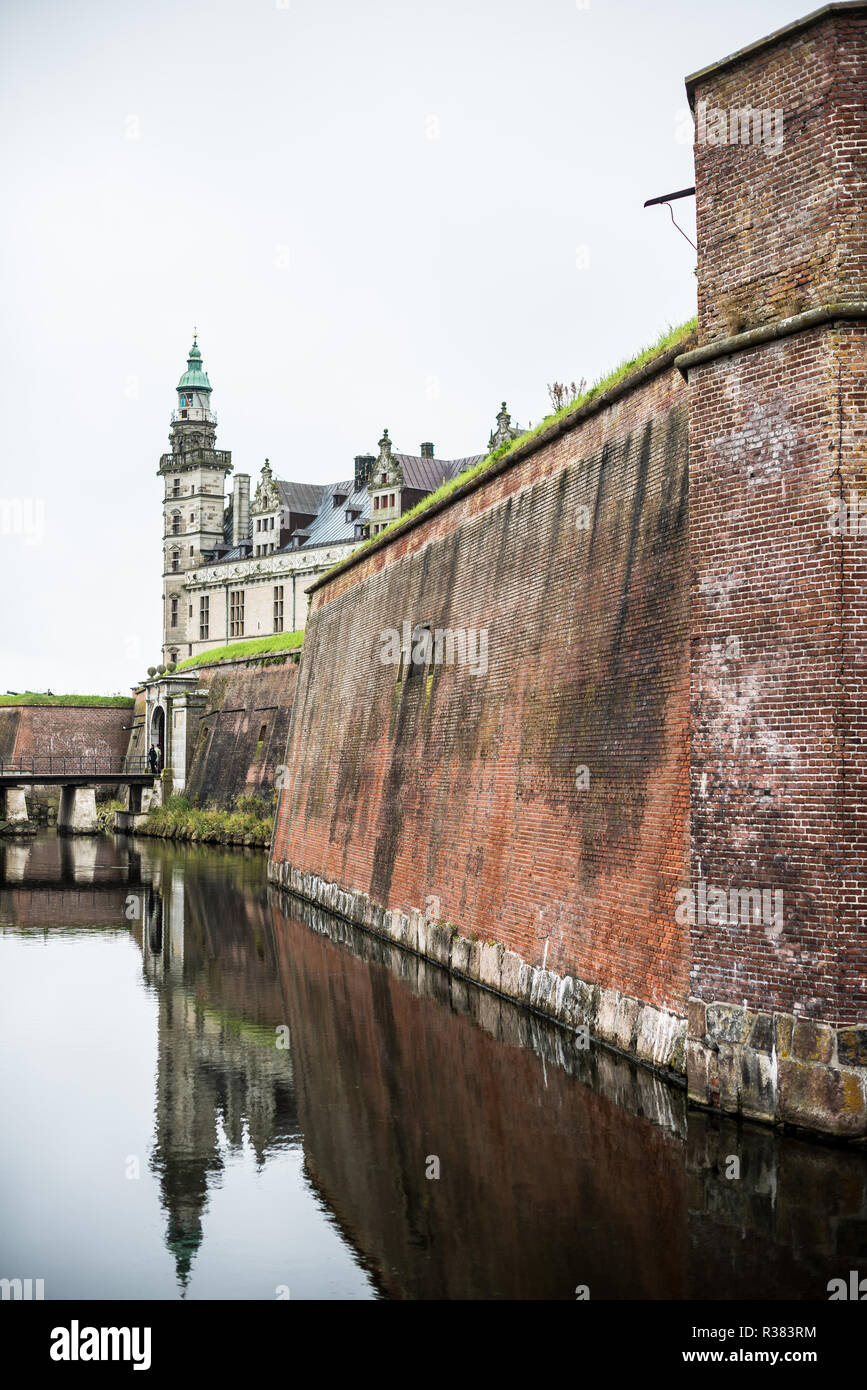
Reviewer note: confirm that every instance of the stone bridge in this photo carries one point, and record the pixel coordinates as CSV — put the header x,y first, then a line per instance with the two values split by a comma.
x,y
78,778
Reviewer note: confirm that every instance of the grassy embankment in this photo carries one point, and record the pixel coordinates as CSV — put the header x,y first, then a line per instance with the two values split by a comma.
x,y
32,697
237,651
249,823
667,340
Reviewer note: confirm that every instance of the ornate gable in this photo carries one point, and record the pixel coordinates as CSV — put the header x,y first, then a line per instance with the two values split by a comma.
x,y
386,465
267,496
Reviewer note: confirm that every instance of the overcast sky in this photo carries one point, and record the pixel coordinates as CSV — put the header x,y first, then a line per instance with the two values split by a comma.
x,y
376,215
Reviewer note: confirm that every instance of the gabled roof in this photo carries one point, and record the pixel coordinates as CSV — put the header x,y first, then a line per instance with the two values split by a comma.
x,y
426,475
330,526
300,497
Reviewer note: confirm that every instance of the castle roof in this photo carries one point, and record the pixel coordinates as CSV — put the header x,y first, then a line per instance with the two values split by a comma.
x,y
426,475
300,497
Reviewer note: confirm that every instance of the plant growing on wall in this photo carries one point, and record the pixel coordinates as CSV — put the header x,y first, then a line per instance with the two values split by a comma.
x,y
560,394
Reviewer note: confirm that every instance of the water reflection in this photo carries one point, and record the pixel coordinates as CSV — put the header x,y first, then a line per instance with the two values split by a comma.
x,y
557,1168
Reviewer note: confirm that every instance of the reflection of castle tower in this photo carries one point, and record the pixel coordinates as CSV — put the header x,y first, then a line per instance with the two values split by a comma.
x,y
221,1079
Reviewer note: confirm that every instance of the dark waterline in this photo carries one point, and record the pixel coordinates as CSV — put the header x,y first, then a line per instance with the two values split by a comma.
x,y
159,1143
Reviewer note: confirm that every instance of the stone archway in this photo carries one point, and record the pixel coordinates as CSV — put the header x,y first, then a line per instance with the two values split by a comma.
x,y
158,733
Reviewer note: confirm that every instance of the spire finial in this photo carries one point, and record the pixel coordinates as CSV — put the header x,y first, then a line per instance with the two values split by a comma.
x,y
195,333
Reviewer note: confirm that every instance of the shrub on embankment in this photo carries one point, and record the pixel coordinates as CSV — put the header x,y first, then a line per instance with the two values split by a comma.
x,y
249,823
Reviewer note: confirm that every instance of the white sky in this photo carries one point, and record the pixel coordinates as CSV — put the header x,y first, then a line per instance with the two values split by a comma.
x,y
372,212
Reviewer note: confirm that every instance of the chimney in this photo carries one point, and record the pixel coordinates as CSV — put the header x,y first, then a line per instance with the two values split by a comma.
x,y
240,508
363,468
427,450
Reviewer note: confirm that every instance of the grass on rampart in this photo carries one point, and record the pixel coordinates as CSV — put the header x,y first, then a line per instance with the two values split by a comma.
x,y
236,651
250,823
641,359
32,697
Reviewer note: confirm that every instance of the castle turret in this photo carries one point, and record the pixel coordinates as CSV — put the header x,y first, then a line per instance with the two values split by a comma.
x,y
195,484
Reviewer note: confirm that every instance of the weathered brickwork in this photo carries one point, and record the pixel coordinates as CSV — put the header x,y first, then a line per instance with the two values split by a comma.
x,y
781,226
778,474
241,738
778,608
65,731
462,792
468,787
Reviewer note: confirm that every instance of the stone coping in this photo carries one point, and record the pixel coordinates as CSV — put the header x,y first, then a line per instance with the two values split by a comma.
x,y
798,323
845,8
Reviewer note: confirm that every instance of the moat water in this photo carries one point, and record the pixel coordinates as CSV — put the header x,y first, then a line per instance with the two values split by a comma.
x,y
209,1090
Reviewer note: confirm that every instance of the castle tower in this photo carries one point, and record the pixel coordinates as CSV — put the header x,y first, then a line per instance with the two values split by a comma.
x,y
194,475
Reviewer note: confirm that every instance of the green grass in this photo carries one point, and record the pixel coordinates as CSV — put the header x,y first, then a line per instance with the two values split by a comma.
x,y
105,814
257,646
250,823
647,354
32,697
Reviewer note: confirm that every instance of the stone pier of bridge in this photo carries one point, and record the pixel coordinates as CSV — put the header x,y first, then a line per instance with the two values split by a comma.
x,y
77,814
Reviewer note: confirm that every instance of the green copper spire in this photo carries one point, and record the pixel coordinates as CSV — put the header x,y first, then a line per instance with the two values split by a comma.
x,y
195,378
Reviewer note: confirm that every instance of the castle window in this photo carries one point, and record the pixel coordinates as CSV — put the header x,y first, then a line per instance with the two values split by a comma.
x,y
174,618
391,502
204,617
270,523
278,607
173,656
176,487
192,517
384,479
176,523
191,550
176,561
236,613
258,523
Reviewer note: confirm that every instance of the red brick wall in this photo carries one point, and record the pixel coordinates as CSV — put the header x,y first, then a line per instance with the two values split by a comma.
x,y
464,787
778,781
777,439
781,232
74,731
228,759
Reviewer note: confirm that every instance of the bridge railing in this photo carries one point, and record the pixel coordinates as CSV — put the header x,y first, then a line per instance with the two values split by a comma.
x,y
60,764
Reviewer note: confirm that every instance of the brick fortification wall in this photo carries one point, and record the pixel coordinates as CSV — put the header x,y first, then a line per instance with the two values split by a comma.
x,y
468,788
70,731
241,738
709,678
778,429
